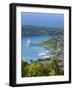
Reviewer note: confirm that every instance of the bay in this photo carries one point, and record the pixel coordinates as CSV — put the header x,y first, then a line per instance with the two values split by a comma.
x,y
32,49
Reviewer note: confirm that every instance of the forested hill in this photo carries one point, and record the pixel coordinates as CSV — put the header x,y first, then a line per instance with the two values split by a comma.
x,y
28,30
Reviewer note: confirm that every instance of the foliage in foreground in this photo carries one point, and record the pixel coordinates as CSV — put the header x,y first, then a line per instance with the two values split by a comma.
x,y
41,69
46,69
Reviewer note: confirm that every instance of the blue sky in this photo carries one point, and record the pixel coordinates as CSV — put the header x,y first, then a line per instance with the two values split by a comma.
x,y
42,19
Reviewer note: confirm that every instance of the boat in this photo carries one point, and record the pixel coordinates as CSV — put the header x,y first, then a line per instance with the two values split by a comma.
x,y
28,42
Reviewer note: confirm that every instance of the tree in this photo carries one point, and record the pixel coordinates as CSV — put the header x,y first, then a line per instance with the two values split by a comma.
x,y
54,67
23,65
36,69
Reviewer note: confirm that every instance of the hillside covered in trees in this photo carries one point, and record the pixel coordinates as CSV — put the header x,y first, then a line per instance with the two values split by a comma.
x,y
28,30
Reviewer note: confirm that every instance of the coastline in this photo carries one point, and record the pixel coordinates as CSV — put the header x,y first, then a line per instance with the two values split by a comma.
x,y
46,46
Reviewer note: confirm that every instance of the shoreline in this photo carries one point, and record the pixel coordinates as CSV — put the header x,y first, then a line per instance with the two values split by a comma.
x,y
46,46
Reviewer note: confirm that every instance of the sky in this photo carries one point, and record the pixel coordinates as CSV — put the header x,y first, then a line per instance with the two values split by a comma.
x,y
42,19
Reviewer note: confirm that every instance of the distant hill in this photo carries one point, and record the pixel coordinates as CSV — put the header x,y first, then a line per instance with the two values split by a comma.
x,y
28,30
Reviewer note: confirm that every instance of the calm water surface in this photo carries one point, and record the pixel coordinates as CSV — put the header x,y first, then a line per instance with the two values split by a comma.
x,y
32,48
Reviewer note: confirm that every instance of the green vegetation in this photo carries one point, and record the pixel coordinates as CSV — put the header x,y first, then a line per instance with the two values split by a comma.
x,y
56,44
29,30
23,64
41,69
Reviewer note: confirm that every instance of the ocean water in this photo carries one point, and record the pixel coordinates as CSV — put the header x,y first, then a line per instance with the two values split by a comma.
x,y
31,48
